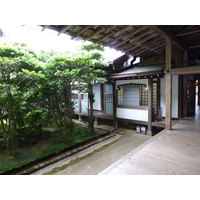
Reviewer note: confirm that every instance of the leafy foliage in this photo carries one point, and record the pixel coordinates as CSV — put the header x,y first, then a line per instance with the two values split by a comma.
x,y
35,88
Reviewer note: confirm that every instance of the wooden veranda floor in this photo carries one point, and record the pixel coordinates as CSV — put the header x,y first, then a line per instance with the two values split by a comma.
x,y
174,152
97,114
103,115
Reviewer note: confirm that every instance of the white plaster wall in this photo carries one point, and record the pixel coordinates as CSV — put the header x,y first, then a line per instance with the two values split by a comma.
x,y
132,114
174,96
97,93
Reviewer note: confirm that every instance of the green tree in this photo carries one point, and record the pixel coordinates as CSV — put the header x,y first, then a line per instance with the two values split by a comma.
x,y
59,75
16,61
91,67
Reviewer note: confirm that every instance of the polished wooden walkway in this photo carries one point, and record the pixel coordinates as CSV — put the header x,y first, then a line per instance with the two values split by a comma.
x,y
174,152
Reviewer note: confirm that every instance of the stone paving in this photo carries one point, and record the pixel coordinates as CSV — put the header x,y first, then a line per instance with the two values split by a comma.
x,y
126,140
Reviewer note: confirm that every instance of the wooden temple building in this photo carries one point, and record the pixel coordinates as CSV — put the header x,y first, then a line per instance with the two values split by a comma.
x,y
169,69
163,86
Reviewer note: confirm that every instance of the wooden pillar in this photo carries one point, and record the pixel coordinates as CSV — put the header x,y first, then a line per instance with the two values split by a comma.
x,y
185,82
185,95
168,85
180,96
150,100
115,99
79,105
198,103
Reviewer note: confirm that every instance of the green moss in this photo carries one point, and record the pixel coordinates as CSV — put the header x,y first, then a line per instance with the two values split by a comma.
x,y
43,148
73,162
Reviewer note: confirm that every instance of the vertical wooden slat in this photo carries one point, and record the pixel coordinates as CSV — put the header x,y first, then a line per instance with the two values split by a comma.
x,y
150,102
168,85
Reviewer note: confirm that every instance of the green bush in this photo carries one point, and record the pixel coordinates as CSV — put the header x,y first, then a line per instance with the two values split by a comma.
x,y
34,117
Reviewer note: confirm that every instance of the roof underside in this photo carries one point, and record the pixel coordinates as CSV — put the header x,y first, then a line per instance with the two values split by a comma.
x,y
138,71
136,40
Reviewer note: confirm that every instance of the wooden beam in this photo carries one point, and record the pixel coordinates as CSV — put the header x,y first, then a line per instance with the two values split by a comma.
x,y
167,33
168,85
131,75
188,33
103,37
44,27
126,37
82,30
148,47
99,29
121,30
64,29
184,70
134,39
150,102
109,28
193,47
149,31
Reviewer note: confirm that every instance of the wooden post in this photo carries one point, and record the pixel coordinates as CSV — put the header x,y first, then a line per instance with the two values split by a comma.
x,y
185,82
198,91
115,96
168,85
185,95
180,96
79,105
150,97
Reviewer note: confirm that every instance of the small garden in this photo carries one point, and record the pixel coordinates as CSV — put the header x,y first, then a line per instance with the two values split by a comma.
x,y
43,145
36,108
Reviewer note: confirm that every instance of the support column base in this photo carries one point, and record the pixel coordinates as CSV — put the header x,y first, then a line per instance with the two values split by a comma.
x,y
96,121
149,133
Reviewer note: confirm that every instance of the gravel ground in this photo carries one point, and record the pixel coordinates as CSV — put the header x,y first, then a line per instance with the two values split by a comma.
x,y
99,161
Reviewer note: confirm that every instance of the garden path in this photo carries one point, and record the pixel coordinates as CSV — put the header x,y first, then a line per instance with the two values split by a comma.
x,y
126,141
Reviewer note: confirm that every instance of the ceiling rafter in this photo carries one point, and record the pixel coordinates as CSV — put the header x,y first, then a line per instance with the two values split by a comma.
x,y
188,33
109,28
80,31
122,30
193,47
126,37
64,29
44,27
143,43
149,53
141,39
168,33
149,48
145,46
153,35
99,29
135,39
104,37
147,32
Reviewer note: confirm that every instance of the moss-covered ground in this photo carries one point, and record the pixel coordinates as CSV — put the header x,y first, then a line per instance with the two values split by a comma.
x,y
50,144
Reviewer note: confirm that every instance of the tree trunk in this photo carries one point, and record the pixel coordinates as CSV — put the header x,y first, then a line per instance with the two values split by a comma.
x,y
13,141
91,101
